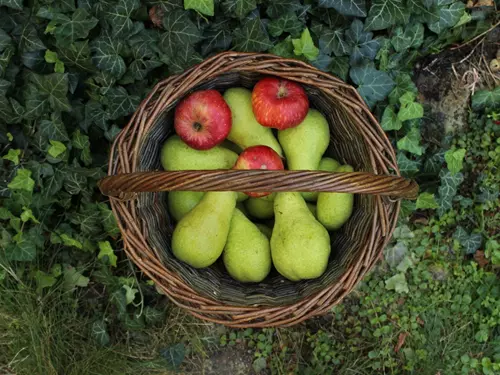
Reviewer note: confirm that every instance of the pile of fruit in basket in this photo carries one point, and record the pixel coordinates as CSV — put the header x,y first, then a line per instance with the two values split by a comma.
x,y
269,127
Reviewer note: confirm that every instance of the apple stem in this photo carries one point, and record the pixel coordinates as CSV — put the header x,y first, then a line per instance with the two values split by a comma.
x,y
282,91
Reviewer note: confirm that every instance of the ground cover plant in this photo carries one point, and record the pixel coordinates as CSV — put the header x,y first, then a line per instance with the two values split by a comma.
x,y
71,72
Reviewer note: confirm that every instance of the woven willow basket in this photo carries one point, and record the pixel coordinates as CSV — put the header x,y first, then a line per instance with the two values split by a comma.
x,y
138,190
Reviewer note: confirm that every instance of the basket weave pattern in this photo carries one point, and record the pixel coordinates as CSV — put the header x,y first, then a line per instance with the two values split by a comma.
x,y
138,195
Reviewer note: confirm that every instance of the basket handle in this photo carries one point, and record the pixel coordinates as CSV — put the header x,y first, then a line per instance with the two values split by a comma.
x,y
122,185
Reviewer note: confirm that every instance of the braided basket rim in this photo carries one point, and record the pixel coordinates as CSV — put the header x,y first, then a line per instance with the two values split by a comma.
x,y
124,159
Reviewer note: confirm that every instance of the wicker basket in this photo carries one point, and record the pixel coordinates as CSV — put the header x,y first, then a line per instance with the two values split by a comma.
x,y
137,188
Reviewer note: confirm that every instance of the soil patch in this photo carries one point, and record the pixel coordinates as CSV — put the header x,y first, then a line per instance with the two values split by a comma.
x,y
446,81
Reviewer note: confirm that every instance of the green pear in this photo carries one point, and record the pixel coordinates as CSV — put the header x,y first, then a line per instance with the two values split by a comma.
x,y
247,255
334,209
265,230
261,208
200,236
312,208
305,144
300,245
327,165
181,202
176,155
241,197
245,130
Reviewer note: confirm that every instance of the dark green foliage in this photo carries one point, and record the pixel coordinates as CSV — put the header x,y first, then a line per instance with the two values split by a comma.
x,y
71,74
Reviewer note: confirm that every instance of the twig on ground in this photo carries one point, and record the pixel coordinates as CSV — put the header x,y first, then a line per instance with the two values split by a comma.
x,y
476,37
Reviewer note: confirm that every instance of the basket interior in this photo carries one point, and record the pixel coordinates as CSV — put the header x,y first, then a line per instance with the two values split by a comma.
x,y
347,145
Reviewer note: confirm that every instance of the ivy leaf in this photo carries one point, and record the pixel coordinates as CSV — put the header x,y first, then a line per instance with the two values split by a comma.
x,y
331,41
5,214
108,220
393,255
487,195
205,7
426,201
43,280
23,249
411,142
470,243
77,55
184,58
362,43
448,17
81,142
284,48
397,283
152,315
12,155
120,103
409,109
140,68
118,299
340,67
407,166
5,40
174,355
74,182
385,13
373,85
276,8
99,332
53,129
404,84
454,160
5,58
22,181
94,114
447,190
239,8
400,40
129,294
73,279
144,44
251,37
14,4
28,38
69,241
179,31
36,104
106,55
52,88
4,86
355,8
119,17
425,8
390,120
409,37
88,219
216,40
484,99
68,30
287,22
105,250
305,46
56,148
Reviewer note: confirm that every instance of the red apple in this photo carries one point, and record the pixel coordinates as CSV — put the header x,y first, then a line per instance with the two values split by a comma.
x,y
259,157
203,119
279,103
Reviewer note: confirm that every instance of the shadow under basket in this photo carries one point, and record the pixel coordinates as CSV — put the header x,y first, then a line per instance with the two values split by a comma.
x,y
138,190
